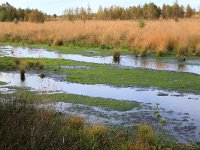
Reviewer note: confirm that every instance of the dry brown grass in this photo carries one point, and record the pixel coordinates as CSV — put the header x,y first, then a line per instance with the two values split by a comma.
x,y
162,35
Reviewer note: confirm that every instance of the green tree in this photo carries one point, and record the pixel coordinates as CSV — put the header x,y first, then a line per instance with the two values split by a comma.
x,y
100,13
10,13
54,16
89,12
2,16
83,14
189,11
151,11
36,16
69,13
175,12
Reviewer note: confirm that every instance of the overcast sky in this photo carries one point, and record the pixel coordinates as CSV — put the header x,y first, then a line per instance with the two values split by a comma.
x,y
58,6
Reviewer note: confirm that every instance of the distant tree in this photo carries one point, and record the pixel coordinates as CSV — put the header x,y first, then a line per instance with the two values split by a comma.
x,y
69,13
89,12
135,12
151,11
7,12
189,11
2,16
55,16
126,15
10,13
36,16
83,14
21,14
76,13
166,11
181,11
175,10
100,13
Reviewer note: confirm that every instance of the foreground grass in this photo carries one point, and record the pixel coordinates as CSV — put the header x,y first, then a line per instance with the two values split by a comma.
x,y
112,75
23,126
78,99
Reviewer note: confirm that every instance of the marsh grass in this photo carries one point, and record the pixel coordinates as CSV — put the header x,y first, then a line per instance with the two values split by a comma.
x,y
25,126
158,35
58,42
38,65
115,76
91,101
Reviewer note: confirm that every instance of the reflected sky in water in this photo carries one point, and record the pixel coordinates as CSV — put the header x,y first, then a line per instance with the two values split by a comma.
x,y
190,66
187,103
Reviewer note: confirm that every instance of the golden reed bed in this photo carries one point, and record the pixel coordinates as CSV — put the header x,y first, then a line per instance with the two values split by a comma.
x,y
160,35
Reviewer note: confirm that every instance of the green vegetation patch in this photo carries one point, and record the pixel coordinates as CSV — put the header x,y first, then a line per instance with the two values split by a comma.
x,y
90,101
90,50
115,76
7,63
133,77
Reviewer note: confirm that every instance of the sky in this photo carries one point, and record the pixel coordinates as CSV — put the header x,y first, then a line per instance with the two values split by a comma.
x,y
58,6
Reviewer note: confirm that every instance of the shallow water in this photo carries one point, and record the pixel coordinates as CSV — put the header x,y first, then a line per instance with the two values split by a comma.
x,y
96,115
191,66
180,103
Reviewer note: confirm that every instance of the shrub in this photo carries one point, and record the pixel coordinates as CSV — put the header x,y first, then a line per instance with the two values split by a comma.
x,y
58,42
17,61
31,64
39,65
75,123
160,53
36,64
116,56
141,23
36,16
143,53
181,50
15,21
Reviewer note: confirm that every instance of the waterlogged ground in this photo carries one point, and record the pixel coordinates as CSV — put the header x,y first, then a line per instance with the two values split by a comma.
x,y
191,66
180,110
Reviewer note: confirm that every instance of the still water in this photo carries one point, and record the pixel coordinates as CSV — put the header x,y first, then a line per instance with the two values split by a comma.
x,y
190,66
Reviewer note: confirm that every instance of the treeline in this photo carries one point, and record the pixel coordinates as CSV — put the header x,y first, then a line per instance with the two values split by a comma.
x,y
10,13
147,11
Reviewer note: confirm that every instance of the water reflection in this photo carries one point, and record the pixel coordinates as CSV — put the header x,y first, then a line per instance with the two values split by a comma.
x,y
22,75
182,67
161,66
185,103
191,66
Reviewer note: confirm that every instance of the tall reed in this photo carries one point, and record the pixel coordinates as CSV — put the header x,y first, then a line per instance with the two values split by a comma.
x,y
158,36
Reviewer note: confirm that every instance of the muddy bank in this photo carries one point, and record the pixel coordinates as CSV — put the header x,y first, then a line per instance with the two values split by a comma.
x,y
184,131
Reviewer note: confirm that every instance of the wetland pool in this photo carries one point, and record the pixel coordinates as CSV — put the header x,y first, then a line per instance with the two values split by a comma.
x,y
190,66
